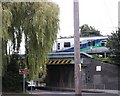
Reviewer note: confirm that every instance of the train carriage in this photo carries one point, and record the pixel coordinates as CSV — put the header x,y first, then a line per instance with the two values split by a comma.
x,y
90,45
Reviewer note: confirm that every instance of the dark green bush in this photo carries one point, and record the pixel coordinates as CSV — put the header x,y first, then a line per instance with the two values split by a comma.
x,y
12,80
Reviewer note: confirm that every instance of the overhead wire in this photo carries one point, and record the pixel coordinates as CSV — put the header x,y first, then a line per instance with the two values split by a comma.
x,y
111,20
108,13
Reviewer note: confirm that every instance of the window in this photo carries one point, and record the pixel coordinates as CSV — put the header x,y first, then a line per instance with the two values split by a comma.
x,y
103,43
80,45
89,43
93,43
58,46
66,44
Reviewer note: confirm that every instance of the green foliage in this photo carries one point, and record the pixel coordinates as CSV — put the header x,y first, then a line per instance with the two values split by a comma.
x,y
12,81
39,22
88,31
106,60
114,45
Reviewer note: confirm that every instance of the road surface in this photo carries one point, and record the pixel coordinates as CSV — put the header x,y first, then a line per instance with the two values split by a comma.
x,y
66,93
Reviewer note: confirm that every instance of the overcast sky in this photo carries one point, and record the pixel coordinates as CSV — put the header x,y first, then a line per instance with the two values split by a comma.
x,y
102,14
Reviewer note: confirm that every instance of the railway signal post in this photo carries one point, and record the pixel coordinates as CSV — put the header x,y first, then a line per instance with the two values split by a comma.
x,y
77,67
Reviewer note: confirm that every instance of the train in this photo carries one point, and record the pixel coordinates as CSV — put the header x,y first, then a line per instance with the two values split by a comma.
x,y
90,45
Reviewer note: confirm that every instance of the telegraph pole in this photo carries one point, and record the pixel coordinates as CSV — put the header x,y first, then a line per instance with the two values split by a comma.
x,y
77,67
119,14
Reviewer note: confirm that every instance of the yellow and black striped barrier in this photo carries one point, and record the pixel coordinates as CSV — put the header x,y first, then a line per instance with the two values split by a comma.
x,y
59,61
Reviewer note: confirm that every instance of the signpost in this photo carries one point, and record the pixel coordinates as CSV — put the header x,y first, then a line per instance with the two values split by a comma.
x,y
23,71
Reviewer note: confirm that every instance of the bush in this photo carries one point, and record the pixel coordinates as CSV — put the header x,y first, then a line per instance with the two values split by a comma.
x,y
12,81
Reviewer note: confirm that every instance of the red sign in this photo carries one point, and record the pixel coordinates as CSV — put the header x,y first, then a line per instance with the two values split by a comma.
x,y
23,71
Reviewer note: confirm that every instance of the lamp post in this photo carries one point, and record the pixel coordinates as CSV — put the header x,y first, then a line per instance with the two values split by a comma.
x,y
77,67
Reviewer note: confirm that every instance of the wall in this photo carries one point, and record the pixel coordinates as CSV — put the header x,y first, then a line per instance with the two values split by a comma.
x,y
62,76
107,78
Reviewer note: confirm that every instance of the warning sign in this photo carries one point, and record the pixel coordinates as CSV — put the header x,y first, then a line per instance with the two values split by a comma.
x,y
23,71
59,62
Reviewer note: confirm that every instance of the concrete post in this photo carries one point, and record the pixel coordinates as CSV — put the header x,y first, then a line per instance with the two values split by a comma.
x,y
77,68
119,14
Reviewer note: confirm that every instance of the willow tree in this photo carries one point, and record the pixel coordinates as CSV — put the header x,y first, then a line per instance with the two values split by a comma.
x,y
6,22
39,22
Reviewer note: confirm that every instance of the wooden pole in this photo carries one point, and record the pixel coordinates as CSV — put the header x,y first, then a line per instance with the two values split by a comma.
x,y
77,67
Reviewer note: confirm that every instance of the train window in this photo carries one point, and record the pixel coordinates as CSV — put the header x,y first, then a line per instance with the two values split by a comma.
x,y
103,43
80,45
89,43
93,43
58,46
66,44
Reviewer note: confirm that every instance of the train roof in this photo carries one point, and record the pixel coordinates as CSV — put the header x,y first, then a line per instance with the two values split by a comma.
x,y
82,38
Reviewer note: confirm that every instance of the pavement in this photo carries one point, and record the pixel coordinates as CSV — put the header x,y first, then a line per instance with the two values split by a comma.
x,y
83,90
103,91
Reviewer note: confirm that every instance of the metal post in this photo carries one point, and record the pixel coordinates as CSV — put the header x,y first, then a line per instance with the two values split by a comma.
x,y
23,83
77,68
105,55
31,85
